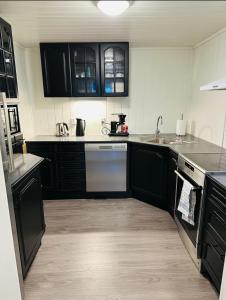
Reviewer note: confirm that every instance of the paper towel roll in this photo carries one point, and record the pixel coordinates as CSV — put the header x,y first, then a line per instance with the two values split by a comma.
x,y
181,127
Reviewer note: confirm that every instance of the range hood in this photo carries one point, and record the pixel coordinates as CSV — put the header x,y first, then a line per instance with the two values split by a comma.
x,y
216,85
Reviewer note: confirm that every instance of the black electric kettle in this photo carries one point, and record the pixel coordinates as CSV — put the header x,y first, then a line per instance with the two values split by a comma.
x,y
80,127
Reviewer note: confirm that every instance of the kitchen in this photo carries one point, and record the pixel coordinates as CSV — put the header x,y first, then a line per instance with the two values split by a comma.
x,y
99,209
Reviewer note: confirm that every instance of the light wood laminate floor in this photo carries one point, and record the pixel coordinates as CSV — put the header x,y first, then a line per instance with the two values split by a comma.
x,y
112,250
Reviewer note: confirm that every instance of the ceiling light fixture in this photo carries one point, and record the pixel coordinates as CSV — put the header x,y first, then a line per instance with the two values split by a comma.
x,y
113,8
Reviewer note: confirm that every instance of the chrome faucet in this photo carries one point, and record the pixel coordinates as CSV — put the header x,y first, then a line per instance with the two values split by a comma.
x,y
157,132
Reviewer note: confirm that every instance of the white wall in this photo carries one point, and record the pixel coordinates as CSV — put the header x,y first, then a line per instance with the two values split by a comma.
x,y
207,109
160,83
9,280
25,107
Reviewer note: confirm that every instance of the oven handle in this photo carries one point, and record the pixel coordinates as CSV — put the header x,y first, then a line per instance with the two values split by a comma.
x,y
182,178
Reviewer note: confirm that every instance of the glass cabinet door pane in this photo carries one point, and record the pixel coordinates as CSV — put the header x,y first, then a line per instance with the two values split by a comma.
x,y
8,63
90,55
109,70
12,93
3,84
119,54
79,55
80,85
109,86
2,65
6,38
109,55
119,70
91,86
80,71
90,70
119,86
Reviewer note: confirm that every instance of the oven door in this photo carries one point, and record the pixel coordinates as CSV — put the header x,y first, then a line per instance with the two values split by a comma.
x,y
192,231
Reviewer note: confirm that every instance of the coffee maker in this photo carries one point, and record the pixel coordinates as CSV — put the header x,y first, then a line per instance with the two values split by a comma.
x,y
119,128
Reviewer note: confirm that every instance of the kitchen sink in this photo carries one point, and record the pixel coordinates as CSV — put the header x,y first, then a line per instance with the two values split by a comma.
x,y
168,141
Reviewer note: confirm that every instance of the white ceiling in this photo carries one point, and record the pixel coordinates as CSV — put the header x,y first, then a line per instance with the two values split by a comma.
x,y
145,23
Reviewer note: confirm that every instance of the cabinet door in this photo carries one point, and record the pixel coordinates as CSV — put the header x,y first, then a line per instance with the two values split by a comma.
x,y
6,34
29,219
8,81
213,259
48,166
3,85
172,181
55,69
149,174
11,87
85,74
114,69
71,171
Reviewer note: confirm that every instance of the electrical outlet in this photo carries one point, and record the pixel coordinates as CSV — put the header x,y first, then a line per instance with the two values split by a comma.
x,y
73,121
103,121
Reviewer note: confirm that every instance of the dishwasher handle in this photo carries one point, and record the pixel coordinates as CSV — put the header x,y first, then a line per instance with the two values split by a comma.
x,y
105,147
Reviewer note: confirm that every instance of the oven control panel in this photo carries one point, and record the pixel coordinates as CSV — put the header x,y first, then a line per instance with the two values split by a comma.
x,y
191,170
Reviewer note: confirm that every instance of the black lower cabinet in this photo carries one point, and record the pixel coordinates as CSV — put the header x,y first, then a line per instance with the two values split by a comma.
x,y
29,215
149,174
214,233
48,169
173,157
71,174
63,172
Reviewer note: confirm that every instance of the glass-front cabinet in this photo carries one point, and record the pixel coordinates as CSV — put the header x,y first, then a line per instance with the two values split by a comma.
x,y
80,69
85,75
114,69
8,80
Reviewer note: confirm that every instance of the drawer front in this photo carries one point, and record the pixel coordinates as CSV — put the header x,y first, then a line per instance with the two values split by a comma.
x,y
213,259
216,222
38,148
217,193
70,161
70,147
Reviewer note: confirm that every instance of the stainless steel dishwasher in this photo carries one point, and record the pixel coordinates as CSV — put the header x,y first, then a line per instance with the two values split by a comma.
x,y
106,167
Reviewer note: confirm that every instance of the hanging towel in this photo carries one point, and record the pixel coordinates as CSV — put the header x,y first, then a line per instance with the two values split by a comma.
x,y
191,216
184,203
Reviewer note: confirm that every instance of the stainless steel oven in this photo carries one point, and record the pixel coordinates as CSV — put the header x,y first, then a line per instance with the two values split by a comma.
x,y
190,233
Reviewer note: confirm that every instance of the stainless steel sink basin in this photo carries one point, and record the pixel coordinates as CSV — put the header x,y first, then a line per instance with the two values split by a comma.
x,y
168,141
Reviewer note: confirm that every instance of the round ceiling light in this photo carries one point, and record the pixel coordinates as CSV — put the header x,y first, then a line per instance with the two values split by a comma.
x,y
113,8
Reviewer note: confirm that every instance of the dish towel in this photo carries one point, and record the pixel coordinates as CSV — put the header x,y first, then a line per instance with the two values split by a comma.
x,y
187,203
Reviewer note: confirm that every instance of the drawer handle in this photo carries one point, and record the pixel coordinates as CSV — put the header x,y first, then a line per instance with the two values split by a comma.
x,y
219,219
217,192
216,247
213,199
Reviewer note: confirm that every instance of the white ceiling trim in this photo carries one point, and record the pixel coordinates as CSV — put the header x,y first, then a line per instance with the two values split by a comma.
x,y
211,37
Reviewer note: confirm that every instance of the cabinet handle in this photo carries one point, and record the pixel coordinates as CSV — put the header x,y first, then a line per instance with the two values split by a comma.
x,y
65,74
174,160
48,159
216,247
46,73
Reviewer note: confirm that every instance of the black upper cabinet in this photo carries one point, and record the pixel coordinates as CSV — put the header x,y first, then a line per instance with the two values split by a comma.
x,y
148,169
114,69
56,69
6,37
8,80
85,71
